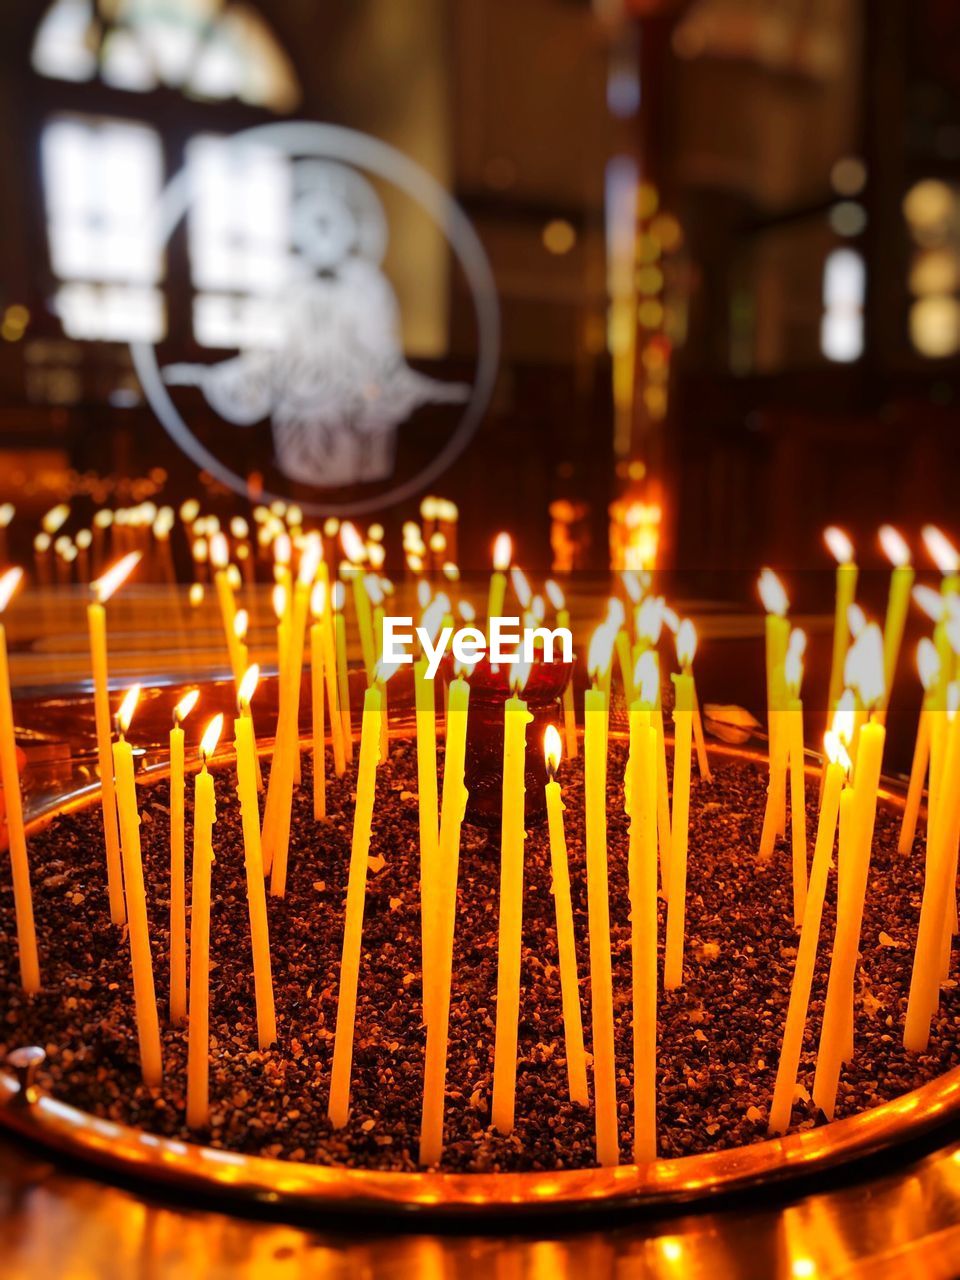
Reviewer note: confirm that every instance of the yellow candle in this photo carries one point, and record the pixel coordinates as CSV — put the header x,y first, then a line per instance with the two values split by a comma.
x,y
198,1039
941,865
329,651
598,907
700,742
178,887
16,836
343,675
228,606
625,661
253,860
515,721
144,992
686,649
642,873
556,597
436,983
798,810
928,663
339,1105
835,799
502,555
898,602
103,589
317,717
777,632
566,945
378,616
361,604
679,826
427,807
841,548
856,863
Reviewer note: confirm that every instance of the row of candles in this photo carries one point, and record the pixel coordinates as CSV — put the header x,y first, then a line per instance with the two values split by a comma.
x,y
658,813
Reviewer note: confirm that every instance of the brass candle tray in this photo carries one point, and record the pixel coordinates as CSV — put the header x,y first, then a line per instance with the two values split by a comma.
x,y
189,1169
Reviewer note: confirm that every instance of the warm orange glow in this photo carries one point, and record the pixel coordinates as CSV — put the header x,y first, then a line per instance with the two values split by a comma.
x,y
600,653
282,549
521,587
519,675
554,594
309,563
648,619
211,736
450,571
8,585
55,518
241,620
318,599
646,677
185,706
929,602
686,642
248,686
772,594
352,543
127,708
41,542
928,663
552,748
940,549
200,551
502,552
437,543
189,510
219,551
195,594
838,544
104,587
835,751
7,512
279,598
894,545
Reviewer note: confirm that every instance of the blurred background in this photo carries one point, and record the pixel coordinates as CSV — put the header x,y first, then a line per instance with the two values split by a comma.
x,y
724,234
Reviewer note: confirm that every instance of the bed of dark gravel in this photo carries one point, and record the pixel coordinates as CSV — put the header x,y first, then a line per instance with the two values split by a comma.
x,y
719,1034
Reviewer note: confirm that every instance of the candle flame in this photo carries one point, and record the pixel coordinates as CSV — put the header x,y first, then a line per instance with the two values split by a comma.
x,y
318,599
519,675
189,510
103,518
337,596
797,642
845,717
552,749
8,585
414,564
863,669
241,621
352,543
686,643
467,612
838,544
554,594
239,528
219,550
856,619
772,594
195,594
953,698
41,542
928,663
538,608
185,706
55,518
646,677
7,512
309,563
127,708
282,549
384,670
521,587
423,593
671,619
929,601
835,751
953,633
632,585
437,543
200,551
502,552
894,546
793,671
105,586
371,585
940,549
433,616
248,686
600,653
211,736
648,619
279,599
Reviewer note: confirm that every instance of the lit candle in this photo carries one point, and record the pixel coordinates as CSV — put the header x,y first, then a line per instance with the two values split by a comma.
x,y
144,992
793,674
16,835
318,604
642,873
103,588
343,675
329,651
835,797
679,817
178,887
198,1037
556,598
947,559
689,646
566,945
598,902
427,807
502,555
515,721
928,665
339,1104
898,601
436,981
854,864
648,623
356,553
376,595
841,548
246,748
219,559
777,632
